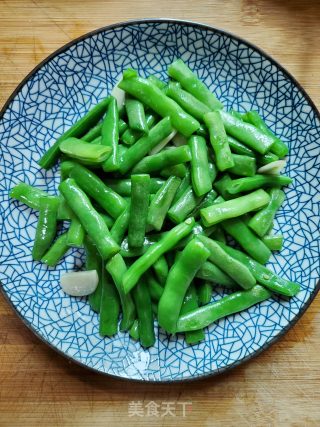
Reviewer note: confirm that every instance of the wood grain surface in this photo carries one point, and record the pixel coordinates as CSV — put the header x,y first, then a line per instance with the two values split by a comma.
x,y
281,387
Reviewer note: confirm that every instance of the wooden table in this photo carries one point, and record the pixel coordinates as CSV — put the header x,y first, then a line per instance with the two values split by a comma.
x,y
281,387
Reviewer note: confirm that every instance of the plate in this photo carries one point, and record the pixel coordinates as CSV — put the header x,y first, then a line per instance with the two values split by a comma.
x,y
57,93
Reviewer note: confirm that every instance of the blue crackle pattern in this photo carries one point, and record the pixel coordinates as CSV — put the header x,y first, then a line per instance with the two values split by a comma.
x,y
58,94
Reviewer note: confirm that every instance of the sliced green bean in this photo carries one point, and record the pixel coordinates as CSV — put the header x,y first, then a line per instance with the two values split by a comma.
x,y
278,147
94,262
154,98
107,198
120,226
134,330
219,141
142,147
123,186
76,233
204,291
154,252
231,266
117,268
190,303
230,304
266,158
110,136
208,200
155,289
238,148
247,239
179,171
77,130
257,181
56,252
161,203
109,306
161,269
143,305
263,275
89,218
140,192
243,165
179,279
93,133
273,241
261,222
136,116
87,153
200,173
131,136
187,101
234,208
179,71
157,82
28,195
247,133
46,227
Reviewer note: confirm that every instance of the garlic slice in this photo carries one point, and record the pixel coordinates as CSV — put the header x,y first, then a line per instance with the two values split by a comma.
x,y
163,143
273,168
79,283
119,94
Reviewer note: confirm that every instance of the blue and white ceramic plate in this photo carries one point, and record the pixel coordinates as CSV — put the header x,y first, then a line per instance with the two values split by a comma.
x,y
57,93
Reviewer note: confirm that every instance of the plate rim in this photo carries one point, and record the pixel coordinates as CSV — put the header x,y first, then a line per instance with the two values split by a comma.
x,y
274,62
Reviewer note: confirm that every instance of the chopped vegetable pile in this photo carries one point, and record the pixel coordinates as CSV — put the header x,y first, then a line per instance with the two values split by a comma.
x,y
155,188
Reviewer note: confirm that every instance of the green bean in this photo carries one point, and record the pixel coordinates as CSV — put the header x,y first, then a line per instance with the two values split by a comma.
x,y
200,174
219,141
109,306
155,289
238,148
222,187
154,98
122,126
47,226
273,241
120,226
157,82
89,218
208,200
137,151
93,133
123,186
165,158
187,101
202,131
231,266
266,158
261,222
56,252
94,262
161,269
234,208
247,239
230,304
180,171
65,168
257,181
142,301
188,201
94,187
179,279
154,252
134,330
28,195
117,268
190,303
278,147
236,114
179,71
136,116
218,234
75,233
64,211
85,152
185,183
77,130
204,291
161,203
246,133
263,275
128,252
243,165
183,207
110,136
140,185
130,136
107,219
